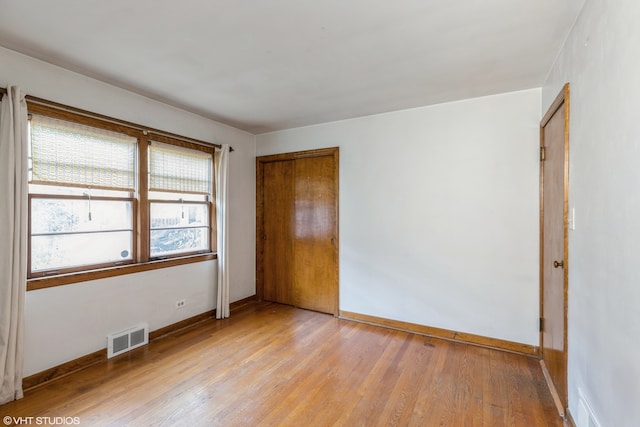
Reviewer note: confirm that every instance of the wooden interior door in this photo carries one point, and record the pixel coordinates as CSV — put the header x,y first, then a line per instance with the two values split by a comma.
x,y
316,272
277,233
554,141
297,229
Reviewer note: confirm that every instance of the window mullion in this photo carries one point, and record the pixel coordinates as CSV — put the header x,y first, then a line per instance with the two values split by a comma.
x,y
143,220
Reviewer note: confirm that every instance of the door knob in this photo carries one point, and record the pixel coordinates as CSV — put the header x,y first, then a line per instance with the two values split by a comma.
x,y
557,264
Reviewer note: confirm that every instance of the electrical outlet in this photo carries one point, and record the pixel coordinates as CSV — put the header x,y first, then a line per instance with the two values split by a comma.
x,y
181,303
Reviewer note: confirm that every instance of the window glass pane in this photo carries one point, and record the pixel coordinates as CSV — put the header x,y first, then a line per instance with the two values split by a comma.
x,y
179,228
75,154
51,252
173,168
178,215
178,240
72,215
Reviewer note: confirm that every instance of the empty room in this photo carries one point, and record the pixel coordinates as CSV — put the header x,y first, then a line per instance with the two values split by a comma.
x,y
343,213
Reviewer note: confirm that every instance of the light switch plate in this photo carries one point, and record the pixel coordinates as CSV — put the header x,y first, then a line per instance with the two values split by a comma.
x,y
572,219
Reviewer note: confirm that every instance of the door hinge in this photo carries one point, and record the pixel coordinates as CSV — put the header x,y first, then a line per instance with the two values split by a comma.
x,y
542,154
541,324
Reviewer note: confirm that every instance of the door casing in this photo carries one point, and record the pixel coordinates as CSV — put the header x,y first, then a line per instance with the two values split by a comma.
x,y
556,375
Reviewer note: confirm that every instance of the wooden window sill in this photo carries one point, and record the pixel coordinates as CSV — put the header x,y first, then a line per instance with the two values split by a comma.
x,y
83,276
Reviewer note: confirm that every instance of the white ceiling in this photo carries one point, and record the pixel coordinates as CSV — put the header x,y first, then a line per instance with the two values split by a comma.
x,y
264,65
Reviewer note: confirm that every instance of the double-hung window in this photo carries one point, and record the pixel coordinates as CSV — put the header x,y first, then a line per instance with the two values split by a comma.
x,y
81,204
180,188
107,198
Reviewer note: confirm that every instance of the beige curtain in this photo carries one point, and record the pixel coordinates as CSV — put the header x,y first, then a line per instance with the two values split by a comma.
x,y
222,217
13,244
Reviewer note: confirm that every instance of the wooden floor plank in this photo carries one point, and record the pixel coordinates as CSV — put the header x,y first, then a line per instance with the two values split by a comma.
x,y
274,365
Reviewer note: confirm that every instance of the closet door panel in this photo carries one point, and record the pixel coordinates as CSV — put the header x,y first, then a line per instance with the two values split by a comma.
x,y
315,234
277,226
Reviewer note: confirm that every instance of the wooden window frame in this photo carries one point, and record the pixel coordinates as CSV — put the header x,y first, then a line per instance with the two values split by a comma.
x,y
141,204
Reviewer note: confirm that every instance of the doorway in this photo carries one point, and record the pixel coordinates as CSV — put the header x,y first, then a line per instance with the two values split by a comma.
x,y
297,229
554,229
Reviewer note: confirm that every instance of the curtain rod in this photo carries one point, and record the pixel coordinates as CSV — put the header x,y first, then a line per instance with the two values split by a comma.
x,y
86,113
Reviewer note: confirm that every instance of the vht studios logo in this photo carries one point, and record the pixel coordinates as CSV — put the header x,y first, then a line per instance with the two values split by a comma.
x,y
40,421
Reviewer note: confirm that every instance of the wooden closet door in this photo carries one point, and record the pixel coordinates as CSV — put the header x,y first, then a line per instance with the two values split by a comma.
x,y
277,237
297,229
315,234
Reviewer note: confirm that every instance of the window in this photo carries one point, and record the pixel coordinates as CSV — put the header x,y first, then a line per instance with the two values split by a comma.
x,y
82,181
106,195
179,189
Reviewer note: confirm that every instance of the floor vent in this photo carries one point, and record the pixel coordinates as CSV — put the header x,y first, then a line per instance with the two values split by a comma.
x,y
126,340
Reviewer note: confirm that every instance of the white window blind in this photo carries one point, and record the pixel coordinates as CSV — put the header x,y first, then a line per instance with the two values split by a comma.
x,y
178,169
66,153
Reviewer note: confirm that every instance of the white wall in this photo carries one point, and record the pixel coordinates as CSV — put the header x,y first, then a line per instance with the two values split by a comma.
x,y
67,322
601,61
438,212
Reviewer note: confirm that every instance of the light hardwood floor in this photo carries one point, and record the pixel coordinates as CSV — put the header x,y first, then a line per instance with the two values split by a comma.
x,y
272,364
